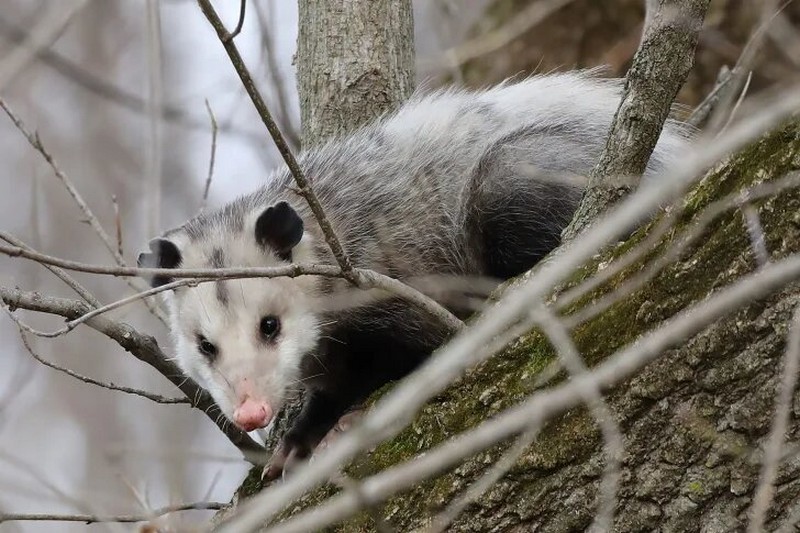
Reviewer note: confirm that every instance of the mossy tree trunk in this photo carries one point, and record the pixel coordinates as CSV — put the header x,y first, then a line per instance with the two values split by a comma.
x,y
694,421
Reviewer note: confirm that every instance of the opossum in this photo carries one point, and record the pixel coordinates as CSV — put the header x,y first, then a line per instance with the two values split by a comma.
x,y
454,183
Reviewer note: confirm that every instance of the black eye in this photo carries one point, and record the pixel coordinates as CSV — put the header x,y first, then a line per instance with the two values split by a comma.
x,y
206,347
270,327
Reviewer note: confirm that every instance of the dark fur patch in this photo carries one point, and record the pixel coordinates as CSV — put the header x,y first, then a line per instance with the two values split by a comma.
x,y
280,228
217,260
163,254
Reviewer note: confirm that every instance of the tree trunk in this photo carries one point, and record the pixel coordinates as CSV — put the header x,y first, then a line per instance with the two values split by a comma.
x,y
694,420
355,61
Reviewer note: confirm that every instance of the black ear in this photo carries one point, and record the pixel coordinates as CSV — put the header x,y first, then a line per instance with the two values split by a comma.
x,y
280,228
163,254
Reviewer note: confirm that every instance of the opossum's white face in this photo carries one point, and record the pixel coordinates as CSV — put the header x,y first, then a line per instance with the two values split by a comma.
x,y
243,340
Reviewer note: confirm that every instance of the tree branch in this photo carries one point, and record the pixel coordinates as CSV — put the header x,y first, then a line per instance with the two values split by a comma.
x,y
77,74
143,347
305,189
128,390
93,519
660,67
36,143
365,279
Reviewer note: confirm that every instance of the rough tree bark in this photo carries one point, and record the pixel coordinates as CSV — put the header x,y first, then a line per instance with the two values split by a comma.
x,y
355,61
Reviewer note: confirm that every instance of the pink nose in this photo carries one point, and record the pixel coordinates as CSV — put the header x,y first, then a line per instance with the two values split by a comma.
x,y
252,414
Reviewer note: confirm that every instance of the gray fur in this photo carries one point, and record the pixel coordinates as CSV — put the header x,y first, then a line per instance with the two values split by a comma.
x,y
397,190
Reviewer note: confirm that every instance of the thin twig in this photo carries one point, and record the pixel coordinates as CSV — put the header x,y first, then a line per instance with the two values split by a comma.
x,y
242,10
780,424
738,103
746,62
93,519
71,282
276,74
50,27
155,97
365,279
143,347
212,157
382,525
556,331
672,253
117,223
704,109
36,143
304,187
75,73
499,469
517,25
128,390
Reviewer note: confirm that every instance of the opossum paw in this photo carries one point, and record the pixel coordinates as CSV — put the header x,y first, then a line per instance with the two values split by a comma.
x,y
292,452
286,458
344,424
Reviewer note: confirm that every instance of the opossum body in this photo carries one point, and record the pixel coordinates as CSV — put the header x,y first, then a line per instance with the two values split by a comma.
x,y
454,183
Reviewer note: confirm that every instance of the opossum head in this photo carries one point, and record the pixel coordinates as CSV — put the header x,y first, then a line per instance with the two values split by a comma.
x,y
243,340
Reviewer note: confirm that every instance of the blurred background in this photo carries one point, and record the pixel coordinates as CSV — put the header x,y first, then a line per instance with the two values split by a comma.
x,y
117,93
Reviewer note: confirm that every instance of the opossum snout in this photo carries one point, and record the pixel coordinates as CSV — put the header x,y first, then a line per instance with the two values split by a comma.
x,y
252,414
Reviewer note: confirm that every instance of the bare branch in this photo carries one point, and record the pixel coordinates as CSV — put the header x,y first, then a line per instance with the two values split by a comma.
x,y
238,29
36,143
117,223
305,189
364,279
128,390
71,282
155,96
738,102
745,64
143,347
277,77
701,113
526,19
93,519
42,36
72,71
660,67
211,158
